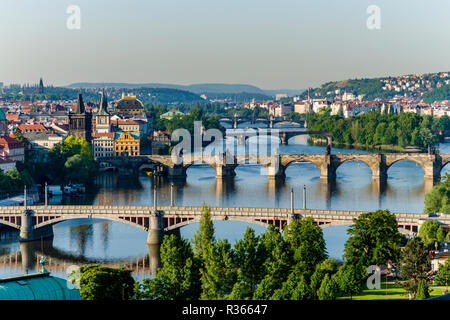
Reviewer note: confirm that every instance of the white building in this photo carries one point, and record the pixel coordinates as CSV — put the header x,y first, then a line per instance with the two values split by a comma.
x,y
103,145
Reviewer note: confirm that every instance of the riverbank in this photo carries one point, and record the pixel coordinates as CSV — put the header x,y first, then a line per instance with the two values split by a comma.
x,y
357,146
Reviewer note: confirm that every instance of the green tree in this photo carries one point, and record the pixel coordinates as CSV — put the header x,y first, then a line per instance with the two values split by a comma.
x,y
294,288
375,238
443,274
350,278
438,199
277,266
306,240
422,290
415,265
327,290
104,283
179,277
204,236
327,266
220,271
250,255
431,232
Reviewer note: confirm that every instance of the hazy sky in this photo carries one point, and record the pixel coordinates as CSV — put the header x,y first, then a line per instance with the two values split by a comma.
x,y
268,43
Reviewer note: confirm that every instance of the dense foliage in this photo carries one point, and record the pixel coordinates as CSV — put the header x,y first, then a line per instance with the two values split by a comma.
x,y
431,232
68,161
369,88
443,274
438,199
375,128
438,94
104,283
374,239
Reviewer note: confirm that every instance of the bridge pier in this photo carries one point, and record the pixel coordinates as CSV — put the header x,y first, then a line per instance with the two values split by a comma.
x,y
155,229
28,231
284,138
328,169
225,171
276,172
177,172
432,170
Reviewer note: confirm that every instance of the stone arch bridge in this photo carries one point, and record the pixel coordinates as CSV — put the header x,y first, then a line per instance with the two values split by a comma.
x,y
35,222
276,165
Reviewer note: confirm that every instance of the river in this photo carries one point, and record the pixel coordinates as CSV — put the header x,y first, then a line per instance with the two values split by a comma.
x,y
79,242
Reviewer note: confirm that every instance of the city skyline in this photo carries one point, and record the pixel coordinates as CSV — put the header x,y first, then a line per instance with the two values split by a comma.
x,y
287,45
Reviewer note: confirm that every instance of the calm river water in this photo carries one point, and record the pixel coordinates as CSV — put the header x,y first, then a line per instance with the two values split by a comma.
x,y
79,242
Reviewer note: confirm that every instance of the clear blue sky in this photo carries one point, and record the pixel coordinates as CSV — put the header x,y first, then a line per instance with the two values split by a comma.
x,y
268,43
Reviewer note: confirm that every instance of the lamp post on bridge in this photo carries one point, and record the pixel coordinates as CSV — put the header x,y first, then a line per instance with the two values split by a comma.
x,y
171,194
155,199
292,201
45,193
304,197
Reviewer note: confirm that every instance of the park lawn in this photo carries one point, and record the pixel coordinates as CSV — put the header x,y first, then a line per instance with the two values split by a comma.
x,y
393,293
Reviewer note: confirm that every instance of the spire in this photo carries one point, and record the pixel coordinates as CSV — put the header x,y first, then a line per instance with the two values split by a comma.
x,y
80,105
103,107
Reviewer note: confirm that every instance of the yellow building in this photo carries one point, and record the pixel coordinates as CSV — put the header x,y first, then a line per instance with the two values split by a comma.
x,y
129,105
126,144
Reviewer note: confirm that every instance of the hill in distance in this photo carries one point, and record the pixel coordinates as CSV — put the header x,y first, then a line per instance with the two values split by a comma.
x,y
204,88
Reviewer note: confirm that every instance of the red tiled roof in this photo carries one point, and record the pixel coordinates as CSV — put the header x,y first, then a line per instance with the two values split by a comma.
x,y
104,134
32,128
10,142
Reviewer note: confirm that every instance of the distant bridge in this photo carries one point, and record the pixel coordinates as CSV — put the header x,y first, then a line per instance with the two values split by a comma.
x,y
276,165
35,222
270,121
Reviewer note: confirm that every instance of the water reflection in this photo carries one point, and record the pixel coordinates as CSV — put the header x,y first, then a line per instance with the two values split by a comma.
x,y
115,244
26,260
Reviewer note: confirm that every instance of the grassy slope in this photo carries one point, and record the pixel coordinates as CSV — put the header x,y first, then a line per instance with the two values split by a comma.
x,y
393,293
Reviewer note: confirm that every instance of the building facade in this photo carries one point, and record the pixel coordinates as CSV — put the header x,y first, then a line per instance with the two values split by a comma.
x,y
103,145
126,144
80,122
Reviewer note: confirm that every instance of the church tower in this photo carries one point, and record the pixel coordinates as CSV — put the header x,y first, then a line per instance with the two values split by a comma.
x,y
41,86
80,122
102,118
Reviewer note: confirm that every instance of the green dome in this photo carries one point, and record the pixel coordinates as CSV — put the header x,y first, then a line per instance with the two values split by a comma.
x,y
2,115
37,287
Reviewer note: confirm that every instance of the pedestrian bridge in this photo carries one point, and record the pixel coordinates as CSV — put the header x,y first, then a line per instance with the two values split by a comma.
x,y
36,222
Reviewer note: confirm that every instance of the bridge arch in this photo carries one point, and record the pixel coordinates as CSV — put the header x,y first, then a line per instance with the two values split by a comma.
x,y
352,160
9,224
216,218
389,165
63,218
446,166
